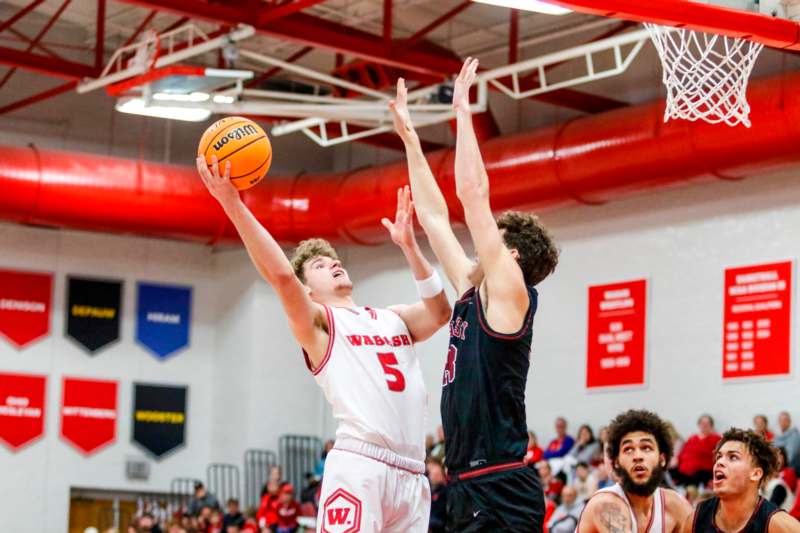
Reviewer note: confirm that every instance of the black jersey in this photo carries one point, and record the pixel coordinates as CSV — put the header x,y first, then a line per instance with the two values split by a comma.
x,y
759,520
483,388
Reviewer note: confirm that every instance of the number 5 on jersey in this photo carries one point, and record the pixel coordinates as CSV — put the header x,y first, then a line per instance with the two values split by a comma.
x,y
394,378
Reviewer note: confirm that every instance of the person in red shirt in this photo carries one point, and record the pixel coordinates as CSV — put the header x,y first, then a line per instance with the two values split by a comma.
x,y
552,485
696,459
288,509
267,515
761,426
534,454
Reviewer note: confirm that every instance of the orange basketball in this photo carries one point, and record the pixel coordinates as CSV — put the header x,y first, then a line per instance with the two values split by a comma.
x,y
242,142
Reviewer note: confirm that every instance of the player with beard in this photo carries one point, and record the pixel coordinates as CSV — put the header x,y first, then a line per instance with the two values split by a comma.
x,y
639,448
744,462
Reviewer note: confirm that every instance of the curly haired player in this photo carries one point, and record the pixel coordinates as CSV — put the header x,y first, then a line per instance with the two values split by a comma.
x,y
639,448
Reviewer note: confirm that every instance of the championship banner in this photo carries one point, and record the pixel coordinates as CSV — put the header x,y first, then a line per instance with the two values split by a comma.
x,y
616,343
93,308
89,413
159,417
24,306
758,318
163,315
22,399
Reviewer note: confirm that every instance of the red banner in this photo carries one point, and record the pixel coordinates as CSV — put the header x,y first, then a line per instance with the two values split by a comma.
x,y
89,413
24,306
616,343
758,318
21,409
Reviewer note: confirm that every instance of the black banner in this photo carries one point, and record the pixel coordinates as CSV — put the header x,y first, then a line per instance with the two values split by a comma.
x,y
93,308
159,417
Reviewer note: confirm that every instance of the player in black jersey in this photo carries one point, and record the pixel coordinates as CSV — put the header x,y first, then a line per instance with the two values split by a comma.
x,y
483,396
744,462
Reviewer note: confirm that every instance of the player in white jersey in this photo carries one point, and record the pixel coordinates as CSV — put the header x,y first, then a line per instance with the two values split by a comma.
x,y
639,448
363,358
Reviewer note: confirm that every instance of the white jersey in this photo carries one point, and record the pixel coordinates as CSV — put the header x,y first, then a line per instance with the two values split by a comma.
x,y
372,378
658,519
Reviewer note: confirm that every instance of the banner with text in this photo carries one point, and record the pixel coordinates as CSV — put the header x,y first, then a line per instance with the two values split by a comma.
x,y
758,318
89,413
159,417
93,308
24,306
616,343
163,315
22,398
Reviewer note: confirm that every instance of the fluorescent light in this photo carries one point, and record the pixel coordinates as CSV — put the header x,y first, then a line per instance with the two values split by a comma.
x,y
229,73
172,97
137,106
223,99
528,5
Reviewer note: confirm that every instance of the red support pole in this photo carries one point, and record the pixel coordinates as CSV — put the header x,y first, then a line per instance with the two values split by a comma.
x,y
513,37
272,14
100,38
38,97
21,13
438,22
38,38
45,65
39,45
387,23
140,28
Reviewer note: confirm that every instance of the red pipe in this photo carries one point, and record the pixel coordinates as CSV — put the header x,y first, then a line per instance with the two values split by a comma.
x,y
590,160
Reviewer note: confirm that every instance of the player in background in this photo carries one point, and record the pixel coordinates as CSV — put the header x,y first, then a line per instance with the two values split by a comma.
x,y
364,360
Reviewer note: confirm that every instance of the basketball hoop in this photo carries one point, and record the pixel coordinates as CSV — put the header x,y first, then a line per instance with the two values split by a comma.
x,y
705,74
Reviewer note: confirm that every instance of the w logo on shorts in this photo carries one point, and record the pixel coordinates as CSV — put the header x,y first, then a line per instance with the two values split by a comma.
x,y
341,513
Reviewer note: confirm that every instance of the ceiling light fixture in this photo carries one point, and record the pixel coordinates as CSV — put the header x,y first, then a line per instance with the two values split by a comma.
x,y
528,5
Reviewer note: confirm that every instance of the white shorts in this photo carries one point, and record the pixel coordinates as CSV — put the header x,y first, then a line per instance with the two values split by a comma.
x,y
369,489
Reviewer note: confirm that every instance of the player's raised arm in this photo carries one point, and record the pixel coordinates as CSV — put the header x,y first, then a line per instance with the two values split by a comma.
x,y
425,317
306,318
507,295
430,204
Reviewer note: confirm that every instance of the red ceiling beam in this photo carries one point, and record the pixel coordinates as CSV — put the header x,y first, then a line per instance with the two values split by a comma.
x,y
21,13
140,28
271,14
45,65
40,45
387,23
30,100
318,32
438,22
100,36
38,38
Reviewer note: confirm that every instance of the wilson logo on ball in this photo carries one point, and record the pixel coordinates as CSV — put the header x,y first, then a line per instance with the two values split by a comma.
x,y
235,135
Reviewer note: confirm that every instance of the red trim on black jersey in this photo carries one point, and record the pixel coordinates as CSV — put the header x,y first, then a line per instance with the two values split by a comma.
x,y
331,334
505,336
466,296
488,470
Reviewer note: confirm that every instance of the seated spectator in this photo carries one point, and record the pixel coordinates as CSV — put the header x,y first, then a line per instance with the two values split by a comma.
x,y
534,453
233,515
175,527
552,485
585,483
288,509
565,517
761,426
310,493
562,444
677,445
267,514
326,449
603,476
602,438
438,449
777,490
250,522
232,528
696,460
585,448
214,522
200,499
147,524
789,439
438,483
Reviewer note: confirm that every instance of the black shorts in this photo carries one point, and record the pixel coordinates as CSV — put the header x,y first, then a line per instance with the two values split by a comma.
x,y
511,501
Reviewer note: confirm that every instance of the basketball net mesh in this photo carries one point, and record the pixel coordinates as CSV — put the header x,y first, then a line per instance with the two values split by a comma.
x,y
705,74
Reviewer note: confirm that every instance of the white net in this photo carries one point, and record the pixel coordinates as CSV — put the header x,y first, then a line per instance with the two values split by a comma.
x,y
705,74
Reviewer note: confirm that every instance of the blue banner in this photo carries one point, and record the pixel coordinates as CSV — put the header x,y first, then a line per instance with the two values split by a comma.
x,y
163,315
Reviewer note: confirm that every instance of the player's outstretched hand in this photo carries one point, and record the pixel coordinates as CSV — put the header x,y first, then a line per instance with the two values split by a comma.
x,y
220,187
402,229
400,115
463,83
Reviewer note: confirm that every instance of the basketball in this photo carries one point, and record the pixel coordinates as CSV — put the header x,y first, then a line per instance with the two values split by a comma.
x,y
242,142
